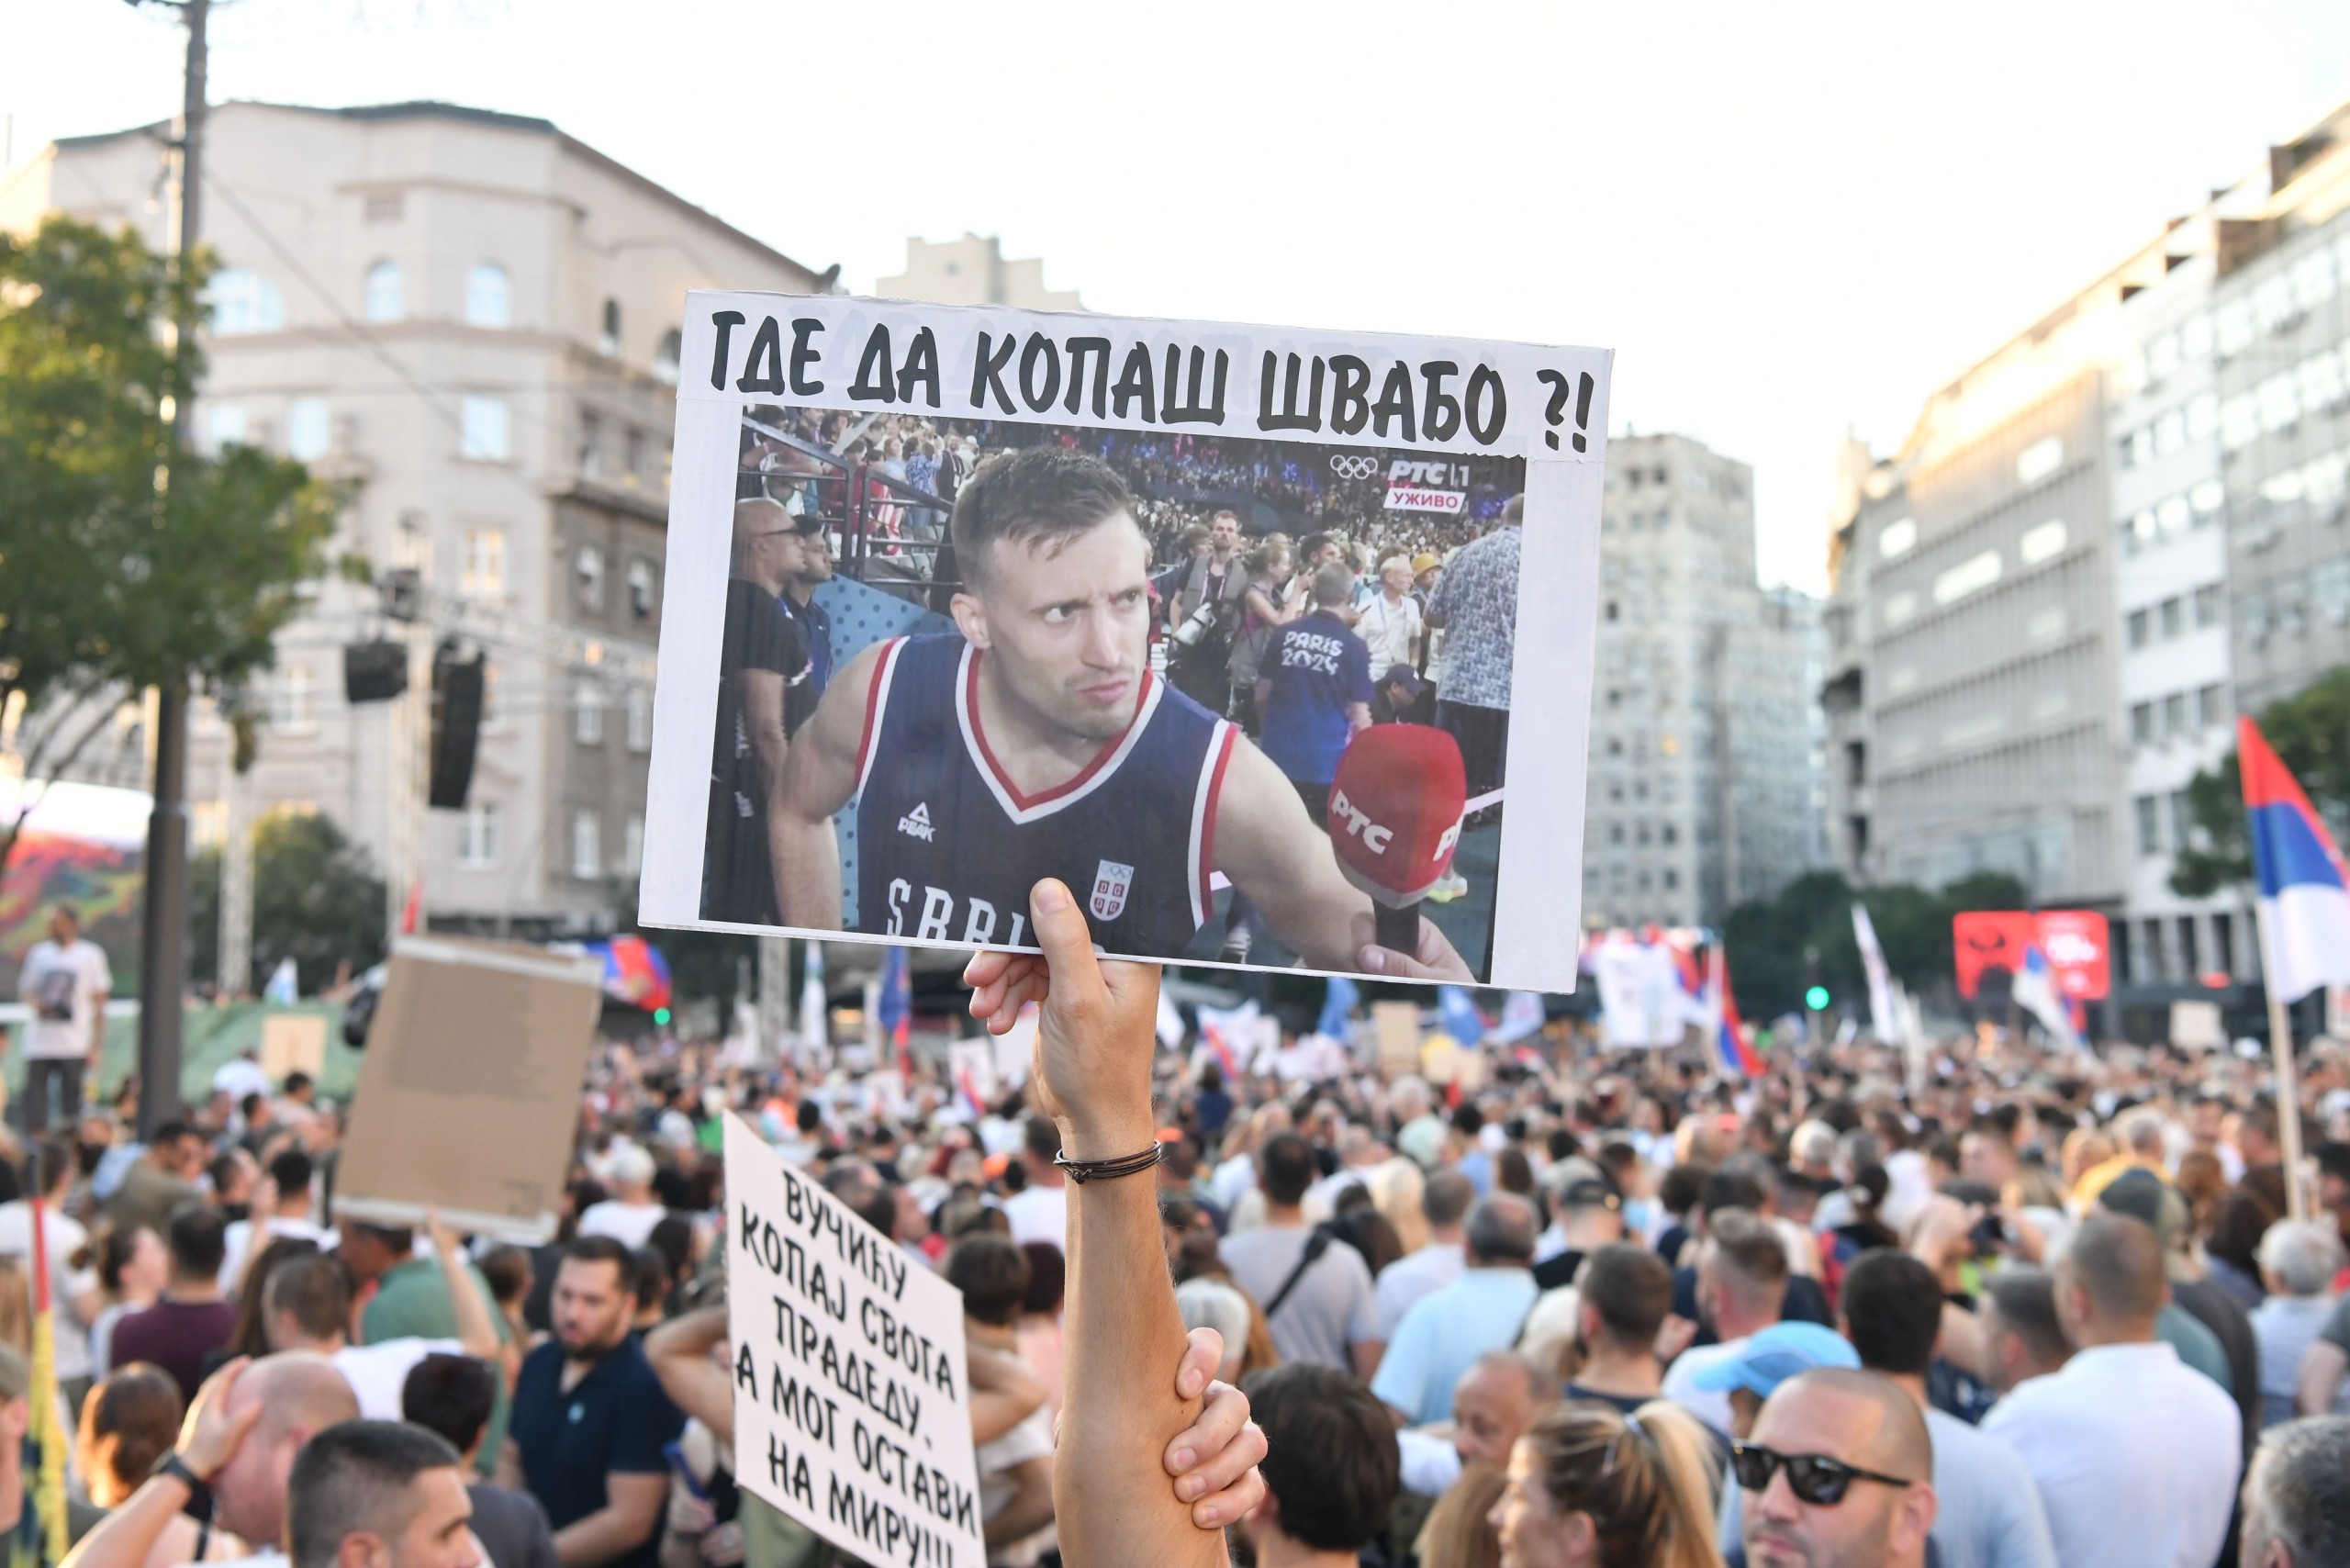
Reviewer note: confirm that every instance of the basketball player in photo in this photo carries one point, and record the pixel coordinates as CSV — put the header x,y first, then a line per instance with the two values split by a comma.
x,y
1037,743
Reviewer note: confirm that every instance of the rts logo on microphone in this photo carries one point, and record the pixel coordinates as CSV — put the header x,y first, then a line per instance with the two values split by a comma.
x,y
1376,837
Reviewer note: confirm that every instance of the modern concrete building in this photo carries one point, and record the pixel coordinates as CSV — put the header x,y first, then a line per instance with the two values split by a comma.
x,y
973,271
1702,745
475,320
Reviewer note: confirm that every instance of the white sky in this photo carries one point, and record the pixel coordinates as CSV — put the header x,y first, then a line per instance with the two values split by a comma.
x,y
1780,229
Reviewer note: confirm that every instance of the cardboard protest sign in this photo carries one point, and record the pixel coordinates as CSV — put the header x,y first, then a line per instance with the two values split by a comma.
x,y
852,1410
1396,1028
936,627
468,1095
292,1041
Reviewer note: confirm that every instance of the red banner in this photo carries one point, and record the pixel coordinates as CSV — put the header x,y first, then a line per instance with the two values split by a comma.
x,y
2075,941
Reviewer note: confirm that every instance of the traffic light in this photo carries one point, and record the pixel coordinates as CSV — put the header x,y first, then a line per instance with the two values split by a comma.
x,y
661,1016
1815,994
1816,998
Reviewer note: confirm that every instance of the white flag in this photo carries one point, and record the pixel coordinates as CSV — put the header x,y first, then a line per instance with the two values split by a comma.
x,y
1882,1018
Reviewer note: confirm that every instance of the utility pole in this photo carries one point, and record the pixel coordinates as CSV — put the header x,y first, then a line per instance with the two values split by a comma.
x,y
163,955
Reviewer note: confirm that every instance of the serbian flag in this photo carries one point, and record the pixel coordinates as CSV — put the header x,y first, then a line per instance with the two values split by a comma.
x,y
2304,891
1729,1030
45,1494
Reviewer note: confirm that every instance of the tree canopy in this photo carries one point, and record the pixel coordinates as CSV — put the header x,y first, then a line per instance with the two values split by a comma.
x,y
126,561
1768,939
317,899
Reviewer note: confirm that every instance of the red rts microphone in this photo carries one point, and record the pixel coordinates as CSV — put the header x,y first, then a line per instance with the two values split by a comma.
x,y
1394,819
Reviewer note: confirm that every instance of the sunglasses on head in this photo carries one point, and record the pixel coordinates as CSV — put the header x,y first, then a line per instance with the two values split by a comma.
x,y
1812,1477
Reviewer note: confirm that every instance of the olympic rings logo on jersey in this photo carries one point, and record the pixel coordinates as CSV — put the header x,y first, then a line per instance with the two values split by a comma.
x,y
1347,465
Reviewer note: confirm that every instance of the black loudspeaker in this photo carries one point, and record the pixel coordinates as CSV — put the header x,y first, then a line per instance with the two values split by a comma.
x,y
457,686
373,672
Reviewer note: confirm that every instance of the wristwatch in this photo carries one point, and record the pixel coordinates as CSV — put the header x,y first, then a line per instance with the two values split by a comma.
x,y
172,1465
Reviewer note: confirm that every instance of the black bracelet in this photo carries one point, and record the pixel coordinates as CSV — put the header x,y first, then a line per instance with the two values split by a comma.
x,y
1083,1171
172,1465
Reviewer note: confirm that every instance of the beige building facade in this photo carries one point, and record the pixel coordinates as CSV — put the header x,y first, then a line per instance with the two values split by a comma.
x,y
472,319
973,271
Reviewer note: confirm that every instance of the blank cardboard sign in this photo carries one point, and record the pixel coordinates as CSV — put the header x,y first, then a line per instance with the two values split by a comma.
x,y
468,1098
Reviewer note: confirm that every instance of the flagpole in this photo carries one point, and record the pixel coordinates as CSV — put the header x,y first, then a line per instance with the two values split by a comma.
x,y
2289,1086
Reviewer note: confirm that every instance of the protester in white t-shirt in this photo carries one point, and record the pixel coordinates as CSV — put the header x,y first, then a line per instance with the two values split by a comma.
x,y
1040,1212
1390,622
629,1216
281,1207
306,1305
65,981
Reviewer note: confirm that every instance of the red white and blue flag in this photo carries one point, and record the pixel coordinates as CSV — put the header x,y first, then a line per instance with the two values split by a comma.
x,y
1729,1030
2304,891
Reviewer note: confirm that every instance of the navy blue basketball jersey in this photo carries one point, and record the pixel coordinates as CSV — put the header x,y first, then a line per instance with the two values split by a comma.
x,y
947,848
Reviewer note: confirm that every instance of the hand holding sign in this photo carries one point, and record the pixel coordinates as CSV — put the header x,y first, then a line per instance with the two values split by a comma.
x,y
1095,1033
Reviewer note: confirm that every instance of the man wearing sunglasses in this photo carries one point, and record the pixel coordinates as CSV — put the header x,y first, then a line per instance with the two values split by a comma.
x,y
1839,1473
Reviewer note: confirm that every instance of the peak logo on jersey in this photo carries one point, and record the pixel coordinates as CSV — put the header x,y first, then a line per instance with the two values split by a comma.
x,y
1112,883
917,821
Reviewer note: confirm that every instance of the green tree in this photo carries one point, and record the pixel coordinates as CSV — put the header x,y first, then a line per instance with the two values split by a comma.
x,y
317,899
126,562
1768,939
2311,732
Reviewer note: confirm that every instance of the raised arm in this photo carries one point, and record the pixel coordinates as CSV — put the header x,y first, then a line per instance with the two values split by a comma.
x,y
476,1328
679,1352
1278,857
1119,1415
818,778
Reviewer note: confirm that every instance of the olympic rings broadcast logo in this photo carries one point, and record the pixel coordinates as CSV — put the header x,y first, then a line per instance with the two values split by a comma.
x,y
1347,465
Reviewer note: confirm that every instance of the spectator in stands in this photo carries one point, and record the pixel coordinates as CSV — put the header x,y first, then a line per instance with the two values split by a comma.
x,y
1839,1472
1592,1485
1197,664
1390,622
2136,1457
1314,691
1476,605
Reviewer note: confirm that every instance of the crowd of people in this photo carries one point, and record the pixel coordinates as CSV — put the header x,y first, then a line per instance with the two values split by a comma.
x,y
1572,1306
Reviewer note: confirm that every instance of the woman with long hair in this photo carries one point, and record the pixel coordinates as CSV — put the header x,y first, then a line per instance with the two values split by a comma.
x,y
130,1420
1592,1487
251,1337
132,1271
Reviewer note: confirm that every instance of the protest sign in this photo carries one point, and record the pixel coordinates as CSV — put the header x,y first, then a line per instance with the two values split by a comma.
x,y
1023,669
292,1041
1396,1028
852,1411
468,1095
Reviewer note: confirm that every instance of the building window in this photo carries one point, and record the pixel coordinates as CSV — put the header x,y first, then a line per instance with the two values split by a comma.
x,y
477,837
481,428
2212,706
2207,605
2039,460
244,301
588,565
665,357
591,445
1970,576
586,846
292,707
2174,615
2175,716
489,300
482,572
2045,543
632,454
2142,722
2223,945
2152,948
383,297
2150,824
225,424
586,714
2182,818
632,845
1897,538
2141,628
607,341
1671,880
309,432
640,589
383,207
640,720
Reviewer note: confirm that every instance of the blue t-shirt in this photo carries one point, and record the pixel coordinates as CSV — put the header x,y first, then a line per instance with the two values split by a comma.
x,y
612,1421
1317,668
1442,1335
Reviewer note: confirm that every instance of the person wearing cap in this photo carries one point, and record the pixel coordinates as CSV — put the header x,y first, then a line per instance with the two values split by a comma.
x,y
764,693
1747,1380
2136,1456
1400,697
1484,1309
632,1212
1591,1215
